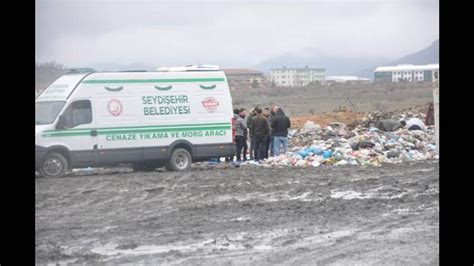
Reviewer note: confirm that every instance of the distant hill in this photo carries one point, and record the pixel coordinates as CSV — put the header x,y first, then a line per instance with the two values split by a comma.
x,y
333,65
429,55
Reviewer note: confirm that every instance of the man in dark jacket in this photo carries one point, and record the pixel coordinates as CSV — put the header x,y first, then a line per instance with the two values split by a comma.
x,y
260,130
280,125
268,148
248,121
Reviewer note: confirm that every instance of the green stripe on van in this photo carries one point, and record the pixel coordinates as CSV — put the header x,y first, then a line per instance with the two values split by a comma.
x,y
161,130
141,127
133,130
128,81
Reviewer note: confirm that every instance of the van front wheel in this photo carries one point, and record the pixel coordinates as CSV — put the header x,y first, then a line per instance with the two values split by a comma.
x,y
180,160
54,165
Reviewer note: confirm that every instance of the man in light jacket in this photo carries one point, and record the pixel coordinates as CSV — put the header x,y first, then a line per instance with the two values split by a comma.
x,y
243,115
240,131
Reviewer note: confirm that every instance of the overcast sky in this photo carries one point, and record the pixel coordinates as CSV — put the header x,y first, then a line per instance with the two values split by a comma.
x,y
230,33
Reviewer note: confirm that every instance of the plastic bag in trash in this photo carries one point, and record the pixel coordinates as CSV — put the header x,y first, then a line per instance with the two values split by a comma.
x,y
327,154
315,150
355,146
298,157
393,154
366,144
311,126
291,133
338,156
301,163
303,153
341,162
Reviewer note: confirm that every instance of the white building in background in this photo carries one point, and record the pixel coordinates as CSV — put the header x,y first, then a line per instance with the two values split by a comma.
x,y
297,77
346,80
406,73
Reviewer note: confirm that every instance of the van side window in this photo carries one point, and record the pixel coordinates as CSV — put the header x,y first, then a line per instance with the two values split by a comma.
x,y
78,113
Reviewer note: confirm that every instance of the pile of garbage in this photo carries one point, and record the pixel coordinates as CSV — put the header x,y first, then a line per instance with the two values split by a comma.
x,y
336,144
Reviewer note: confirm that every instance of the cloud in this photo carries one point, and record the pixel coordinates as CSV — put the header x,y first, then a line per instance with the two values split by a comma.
x,y
233,33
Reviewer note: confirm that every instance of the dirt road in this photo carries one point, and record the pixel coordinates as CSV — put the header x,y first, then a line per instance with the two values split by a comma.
x,y
248,215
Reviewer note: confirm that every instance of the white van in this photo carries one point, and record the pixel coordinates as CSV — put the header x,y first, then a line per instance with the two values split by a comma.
x,y
150,119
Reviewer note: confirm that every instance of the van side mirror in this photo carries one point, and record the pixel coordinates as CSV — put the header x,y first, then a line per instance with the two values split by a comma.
x,y
61,122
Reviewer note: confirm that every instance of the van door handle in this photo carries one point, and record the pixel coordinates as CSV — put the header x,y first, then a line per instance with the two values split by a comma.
x,y
94,133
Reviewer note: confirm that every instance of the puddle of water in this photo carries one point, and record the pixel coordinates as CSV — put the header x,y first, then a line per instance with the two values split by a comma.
x,y
261,242
401,210
396,196
302,197
350,194
328,237
237,237
431,208
110,248
426,170
62,262
340,233
263,247
240,219
431,191
268,197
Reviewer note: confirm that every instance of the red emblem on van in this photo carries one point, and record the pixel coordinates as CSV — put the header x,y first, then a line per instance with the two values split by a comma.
x,y
115,107
210,104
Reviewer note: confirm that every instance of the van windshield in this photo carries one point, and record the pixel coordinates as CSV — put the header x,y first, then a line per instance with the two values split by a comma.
x,y
46,112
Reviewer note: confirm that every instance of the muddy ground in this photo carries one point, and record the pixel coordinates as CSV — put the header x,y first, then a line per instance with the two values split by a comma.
x,y
248,215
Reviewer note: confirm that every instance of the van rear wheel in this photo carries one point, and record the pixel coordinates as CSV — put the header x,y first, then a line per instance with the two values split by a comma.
x,y
180,160
54,165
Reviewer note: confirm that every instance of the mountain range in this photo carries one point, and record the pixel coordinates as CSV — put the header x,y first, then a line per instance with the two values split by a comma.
x,y
362,67
429,55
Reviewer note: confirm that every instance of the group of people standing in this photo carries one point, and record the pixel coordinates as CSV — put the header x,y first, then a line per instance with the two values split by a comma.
x,y
265,130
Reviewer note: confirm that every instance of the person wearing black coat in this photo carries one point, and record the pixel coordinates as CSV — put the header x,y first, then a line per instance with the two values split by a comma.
x,y
260,129
280,125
